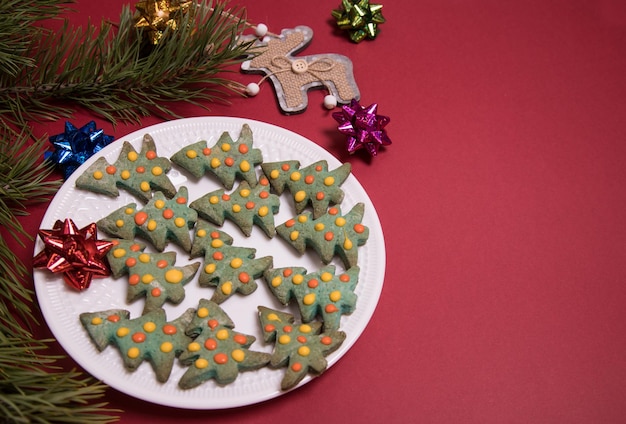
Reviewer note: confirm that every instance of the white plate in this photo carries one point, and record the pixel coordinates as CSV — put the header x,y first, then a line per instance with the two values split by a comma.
x,y
61,305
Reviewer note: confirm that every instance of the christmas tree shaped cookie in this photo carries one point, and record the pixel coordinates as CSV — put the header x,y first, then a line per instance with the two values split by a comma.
x,y
217,351
320,293
314,184
150,275
246,206
138,173
329,235
228,268
160,221
227,159
146,338
299,347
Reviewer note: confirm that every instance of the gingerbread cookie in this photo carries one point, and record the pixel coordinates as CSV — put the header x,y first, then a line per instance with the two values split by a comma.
x,y
160,221
150,275
226,160
329,235
321,293
298,347
146,338
228,268
313,185
138,173
217,351
246,206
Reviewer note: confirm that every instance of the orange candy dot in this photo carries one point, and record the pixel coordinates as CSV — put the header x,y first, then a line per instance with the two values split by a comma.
x,y
250,205
141,218
229,161
326,340
313,283
134,279
210,344
297,367
139,337
110,169
212,323
161,263
215,235
290,223
301,339
243,149
287,328
320,195
113,318
220,358
285,167
329,236
141,169
287,272
359,228
206,151
131,262
169,329
309,179
151,154
333,211
330,308
240,338
318,168
181,200
264,195
269,328
225,197
168,214
344,278
135,247
218,256
155,292
264,181
244,277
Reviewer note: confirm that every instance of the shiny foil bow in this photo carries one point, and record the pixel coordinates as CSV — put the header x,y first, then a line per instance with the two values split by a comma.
x,y
156,16
76,253
364,128
359,18
76,145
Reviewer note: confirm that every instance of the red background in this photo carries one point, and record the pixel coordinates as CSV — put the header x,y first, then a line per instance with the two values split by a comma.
x,y
501,199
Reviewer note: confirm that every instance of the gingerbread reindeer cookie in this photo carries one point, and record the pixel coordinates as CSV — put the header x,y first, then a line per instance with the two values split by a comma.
x,y
293,76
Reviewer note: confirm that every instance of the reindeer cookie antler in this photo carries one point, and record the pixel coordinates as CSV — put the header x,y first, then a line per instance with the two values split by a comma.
x,y
293,76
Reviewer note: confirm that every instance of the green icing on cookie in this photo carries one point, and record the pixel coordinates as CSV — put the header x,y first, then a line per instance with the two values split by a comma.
x,y
246,206
313,185
321,293
160,221
138,173
329,235
146,338
150,275
217,352
298,347
228,268
227,160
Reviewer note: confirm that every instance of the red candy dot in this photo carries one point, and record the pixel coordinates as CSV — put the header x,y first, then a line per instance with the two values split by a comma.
x,y
241,339
168,214
249,205
290,223
151,154
210,344
309,179
131,262
113,318
206,151
220,358
333,211
359,228
264,181
225,197
134,279
313,283
320,195
264,195
244,277
110,169
218,256
287,272
297,367
215,235
285,167
139,337
169,329
181,200
243,149
141,217
212,323
326,340
269,328
301,339
135,247
330,308
329,236
287,328
318,168
229,161
155,292
141,169
344,278
161,264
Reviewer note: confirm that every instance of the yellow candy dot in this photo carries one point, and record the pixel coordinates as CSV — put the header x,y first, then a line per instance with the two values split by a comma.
x,y
119,253
294,235
125,174
276,281
309,299
284,339
122,332
244,166
144,257
225,147
297,279
180,222
157,170
305,328
98,175
159,204
215,163
214,200
149,327
174,276
340,222
152,225
274,174
273,317
244,192
144,186
147,278
201,363
236,263
295,176
129,211
191,154
133,353
302,219
263,211
236,208
201,233
194,347
319,227
227,288
119,223
238,355
304,351
347,244
96,321
166,347
326,277
335,296
217,243
328,181
209,269
202,313
132,156
222,334
300,196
